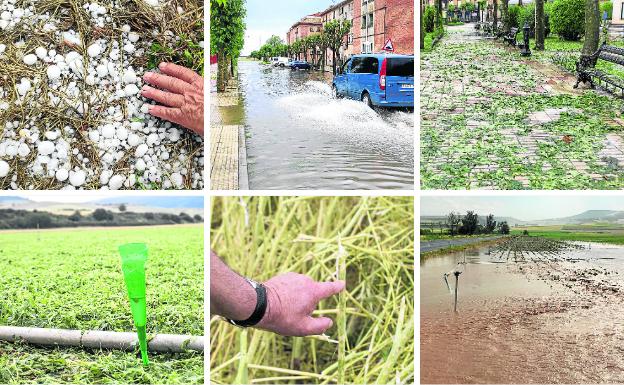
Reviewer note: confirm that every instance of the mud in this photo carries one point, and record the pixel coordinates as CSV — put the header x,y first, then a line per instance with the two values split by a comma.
x,y
545,316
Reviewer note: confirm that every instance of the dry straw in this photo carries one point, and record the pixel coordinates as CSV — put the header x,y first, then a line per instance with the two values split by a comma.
x,y
369,242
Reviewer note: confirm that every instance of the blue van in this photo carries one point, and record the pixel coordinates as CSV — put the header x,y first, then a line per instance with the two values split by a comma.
x,y
379,80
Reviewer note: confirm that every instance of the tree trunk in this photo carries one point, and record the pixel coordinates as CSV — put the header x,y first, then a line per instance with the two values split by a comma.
x,y
221,72
495,15
422,25
539,25
592,27
439,24
333,61
505,15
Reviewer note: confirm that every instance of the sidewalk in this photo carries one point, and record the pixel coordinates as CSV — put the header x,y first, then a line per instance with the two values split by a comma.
x,y
228,156
491,119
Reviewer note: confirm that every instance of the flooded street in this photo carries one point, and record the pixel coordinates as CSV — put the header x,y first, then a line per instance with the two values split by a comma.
x,y
532,317
298,137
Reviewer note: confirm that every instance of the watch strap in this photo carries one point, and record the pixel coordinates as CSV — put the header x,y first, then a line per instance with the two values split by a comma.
x,y
260,309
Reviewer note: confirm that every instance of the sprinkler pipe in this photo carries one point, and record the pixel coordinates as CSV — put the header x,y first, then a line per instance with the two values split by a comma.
x,y
95,339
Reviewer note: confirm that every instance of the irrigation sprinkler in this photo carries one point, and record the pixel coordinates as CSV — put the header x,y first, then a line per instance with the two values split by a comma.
x,y
133,257
456,273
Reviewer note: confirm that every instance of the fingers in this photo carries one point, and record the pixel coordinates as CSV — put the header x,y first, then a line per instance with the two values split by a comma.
x,y
180,72
166,82
327,289
314,326
166,98
167,113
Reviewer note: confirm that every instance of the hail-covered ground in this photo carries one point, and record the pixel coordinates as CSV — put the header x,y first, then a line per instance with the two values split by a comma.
x,y
71,114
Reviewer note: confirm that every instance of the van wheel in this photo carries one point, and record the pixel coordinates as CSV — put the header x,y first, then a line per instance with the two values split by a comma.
x,y
366,99
335,93
282,65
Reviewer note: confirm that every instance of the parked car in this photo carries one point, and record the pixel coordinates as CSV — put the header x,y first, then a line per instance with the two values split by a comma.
x,y
299,64
273,60
282,62
378,80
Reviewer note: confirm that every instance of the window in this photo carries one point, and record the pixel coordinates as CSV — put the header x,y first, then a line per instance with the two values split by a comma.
x,y
400,67
369,65
363,21
350,39
345,66
370,20
357,65
311,29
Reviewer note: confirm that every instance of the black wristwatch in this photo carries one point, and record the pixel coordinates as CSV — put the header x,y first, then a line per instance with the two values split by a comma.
x,y
261,305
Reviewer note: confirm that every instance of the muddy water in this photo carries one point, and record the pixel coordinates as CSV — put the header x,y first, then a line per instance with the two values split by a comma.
x,y
298,137
525,322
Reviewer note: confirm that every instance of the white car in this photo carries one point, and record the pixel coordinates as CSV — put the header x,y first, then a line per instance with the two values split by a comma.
x,y
281,62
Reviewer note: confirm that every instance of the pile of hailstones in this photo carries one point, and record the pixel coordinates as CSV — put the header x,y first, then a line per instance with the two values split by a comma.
x,y
106,68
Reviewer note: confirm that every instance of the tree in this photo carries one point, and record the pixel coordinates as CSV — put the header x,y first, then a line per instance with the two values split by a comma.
x,y
102,215
495,22
335,32
227,30
470,223
540,22
122,207
592,27
422,24
439,23
505,15
452,221
75,217
503,228
490,224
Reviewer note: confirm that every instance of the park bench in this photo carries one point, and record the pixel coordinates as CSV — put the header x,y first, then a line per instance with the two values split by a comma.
x,y
510,37
587,71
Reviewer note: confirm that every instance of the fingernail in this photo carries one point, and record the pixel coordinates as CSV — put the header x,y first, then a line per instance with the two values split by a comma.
x,y
147,75
162,65
144,88
330,323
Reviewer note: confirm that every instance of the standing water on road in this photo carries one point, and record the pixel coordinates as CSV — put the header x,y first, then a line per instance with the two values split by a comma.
x,y
532,317
299,137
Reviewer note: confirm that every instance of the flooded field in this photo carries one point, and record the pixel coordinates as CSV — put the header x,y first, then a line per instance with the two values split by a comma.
x,y
299,137
547,315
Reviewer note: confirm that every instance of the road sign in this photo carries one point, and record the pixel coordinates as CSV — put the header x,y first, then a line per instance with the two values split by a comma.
x,y
388,46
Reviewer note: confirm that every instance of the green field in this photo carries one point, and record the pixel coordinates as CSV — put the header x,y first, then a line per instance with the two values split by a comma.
x,y
72,279
605,233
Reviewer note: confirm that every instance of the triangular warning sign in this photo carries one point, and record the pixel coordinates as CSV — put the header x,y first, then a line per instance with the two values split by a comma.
x,y
388,46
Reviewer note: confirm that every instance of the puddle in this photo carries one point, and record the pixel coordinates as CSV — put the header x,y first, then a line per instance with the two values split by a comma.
x,y
538,321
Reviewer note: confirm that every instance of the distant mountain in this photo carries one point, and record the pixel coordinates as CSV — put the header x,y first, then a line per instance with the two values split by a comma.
x,y
586,217
168,202
11,199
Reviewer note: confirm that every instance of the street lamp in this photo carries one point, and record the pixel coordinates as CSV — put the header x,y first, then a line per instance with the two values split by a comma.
x,y
525,50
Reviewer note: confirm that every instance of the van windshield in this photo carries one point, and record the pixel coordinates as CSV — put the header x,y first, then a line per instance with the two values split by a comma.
x,y
403,66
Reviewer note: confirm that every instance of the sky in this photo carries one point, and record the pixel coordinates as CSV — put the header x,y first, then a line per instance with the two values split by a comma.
x,y
275,17
525,208
83,197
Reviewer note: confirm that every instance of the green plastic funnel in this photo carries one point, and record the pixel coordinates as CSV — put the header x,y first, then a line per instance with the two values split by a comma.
x,y
133,257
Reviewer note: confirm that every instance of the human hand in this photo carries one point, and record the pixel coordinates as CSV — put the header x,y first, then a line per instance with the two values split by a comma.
x,y
291,300
182,95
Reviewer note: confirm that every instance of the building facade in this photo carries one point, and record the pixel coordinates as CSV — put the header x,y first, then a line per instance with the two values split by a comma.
x,y
305,27
373,23
377,21
341,11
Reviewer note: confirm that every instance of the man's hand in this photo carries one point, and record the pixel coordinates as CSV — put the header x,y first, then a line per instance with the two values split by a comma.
x,y
181,93
291,300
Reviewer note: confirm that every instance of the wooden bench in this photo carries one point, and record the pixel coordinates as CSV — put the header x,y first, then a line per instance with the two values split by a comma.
x,y
511,36
587,71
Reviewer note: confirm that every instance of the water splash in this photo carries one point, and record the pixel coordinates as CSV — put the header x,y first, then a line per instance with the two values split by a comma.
x,y
350,119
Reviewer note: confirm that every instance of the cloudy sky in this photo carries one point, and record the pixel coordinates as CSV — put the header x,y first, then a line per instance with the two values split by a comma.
x,y
275,17
521,207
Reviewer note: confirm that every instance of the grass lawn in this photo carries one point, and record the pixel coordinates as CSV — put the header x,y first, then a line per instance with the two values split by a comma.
x,y
587,233
72,279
